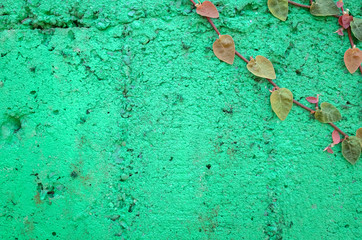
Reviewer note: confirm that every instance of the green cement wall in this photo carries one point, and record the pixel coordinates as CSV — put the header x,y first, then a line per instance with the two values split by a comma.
x,y
118,122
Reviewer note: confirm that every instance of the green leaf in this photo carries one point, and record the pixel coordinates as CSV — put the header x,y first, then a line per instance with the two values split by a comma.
x,y
281,102
356,27
351,149
279,8
324,8
328,113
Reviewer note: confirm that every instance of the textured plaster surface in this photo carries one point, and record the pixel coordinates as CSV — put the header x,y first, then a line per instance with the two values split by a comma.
x,y
118,122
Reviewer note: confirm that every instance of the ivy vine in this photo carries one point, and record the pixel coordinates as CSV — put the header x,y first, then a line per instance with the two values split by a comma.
x,y
281,99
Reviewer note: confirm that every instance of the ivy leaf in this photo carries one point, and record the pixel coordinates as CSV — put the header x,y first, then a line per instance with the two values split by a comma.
x,y
335,136
261,67
340,32
327,113
329,149
224,48
353,59
351,149
207,9
312,99
340,4
356,27
281,102
324,8
345,20
279,8
359,135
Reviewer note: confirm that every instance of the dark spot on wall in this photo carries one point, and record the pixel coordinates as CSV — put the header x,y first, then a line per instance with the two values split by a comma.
x,y
208,166
74,174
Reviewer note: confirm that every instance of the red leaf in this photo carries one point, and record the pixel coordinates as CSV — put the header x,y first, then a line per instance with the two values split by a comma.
x,y
335,136
329,150
339,4
345,20
340,32
312,99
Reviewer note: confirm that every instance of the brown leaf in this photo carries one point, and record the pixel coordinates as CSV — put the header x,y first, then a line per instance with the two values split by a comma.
x,y
207,9
224,48
353,59
281,101
261,67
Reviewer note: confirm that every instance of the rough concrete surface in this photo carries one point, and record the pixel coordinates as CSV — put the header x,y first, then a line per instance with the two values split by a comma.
x,y
118,122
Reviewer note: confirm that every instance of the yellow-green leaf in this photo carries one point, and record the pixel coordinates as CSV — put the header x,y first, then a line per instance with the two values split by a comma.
x,y
261,67
279,8
324,8
356,27
224,48
281,102
359,135
351,149
327,113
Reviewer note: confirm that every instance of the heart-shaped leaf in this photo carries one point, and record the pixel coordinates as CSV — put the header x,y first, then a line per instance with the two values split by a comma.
x,y
351,149
353,59
327,113
281,102
261,67
359,135
356,27
207,9
324,8
279,8
224,48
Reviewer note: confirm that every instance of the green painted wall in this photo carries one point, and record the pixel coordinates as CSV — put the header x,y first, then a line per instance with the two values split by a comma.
x,y
118,122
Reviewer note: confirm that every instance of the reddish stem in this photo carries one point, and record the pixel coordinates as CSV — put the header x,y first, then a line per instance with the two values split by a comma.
x,y
299,5
271,81
351,42
213,25
350,36
303,106
339,130
241,56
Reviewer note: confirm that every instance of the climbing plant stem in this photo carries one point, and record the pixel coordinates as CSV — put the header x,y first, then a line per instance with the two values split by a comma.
x,y
269,80
299,5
